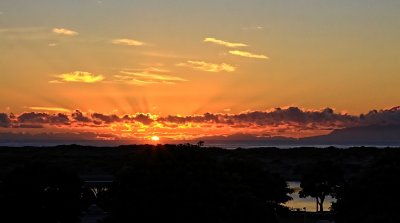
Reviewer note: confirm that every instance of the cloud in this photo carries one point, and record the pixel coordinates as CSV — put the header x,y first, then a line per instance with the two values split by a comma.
x,y
224,43
55,109
150,69
66,32
128,79
253,28
289,116
288,121
385,117
78,76
143,78
52,44
145,119
5,121
78,116
43,118
163,55
25,33
208,67
157,70
128,42
248,54
99,118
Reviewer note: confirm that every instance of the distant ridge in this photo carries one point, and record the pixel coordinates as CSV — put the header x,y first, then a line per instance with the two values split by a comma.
x,y
378,135
374,134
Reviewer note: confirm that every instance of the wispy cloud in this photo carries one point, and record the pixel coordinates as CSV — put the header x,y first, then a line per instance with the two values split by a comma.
x,y
253,28
155,69
22,30
128,79
64,31
128,42
150,69
144,78
53,109
163,55
52,44
223,43
25,33
78,76
208,67
248,54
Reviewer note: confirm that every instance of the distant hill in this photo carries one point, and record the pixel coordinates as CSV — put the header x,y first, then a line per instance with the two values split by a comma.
x,y
378,135
366,135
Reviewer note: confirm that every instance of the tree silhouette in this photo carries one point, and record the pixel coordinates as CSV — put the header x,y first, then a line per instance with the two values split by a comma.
x,y
41,193
200,143
320,180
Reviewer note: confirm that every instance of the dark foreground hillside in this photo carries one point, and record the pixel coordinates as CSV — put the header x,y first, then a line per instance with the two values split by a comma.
x,y
189,183
289,163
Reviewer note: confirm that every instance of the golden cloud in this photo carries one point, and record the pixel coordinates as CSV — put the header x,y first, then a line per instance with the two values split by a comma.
x,y
128,42
143,78
248,54
54,109
224,43
208,67
78,76
63,31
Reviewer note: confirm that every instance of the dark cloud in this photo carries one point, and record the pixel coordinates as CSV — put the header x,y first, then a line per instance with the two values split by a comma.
x,y
5,121
78,116
43,118
288,118
99,118
142,118
279,116
381,117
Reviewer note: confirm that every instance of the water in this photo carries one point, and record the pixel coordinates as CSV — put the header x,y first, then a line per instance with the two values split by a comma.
x,y
309,203
285,145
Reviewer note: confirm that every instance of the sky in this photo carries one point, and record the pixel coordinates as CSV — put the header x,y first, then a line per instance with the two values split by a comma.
x,y
184,68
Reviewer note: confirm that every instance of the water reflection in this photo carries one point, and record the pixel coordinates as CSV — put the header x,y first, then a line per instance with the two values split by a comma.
x,y
309,203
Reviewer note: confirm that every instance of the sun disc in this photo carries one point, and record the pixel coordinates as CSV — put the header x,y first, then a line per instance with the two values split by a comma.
x,y
155,138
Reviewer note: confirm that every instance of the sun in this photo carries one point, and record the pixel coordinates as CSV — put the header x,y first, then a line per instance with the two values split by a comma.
x,y
155,138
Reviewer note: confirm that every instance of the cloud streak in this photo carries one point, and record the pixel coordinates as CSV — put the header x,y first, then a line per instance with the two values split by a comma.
x,y
248,54
65,32
224,43
127,42
208,67
54,109
144,78
78,76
